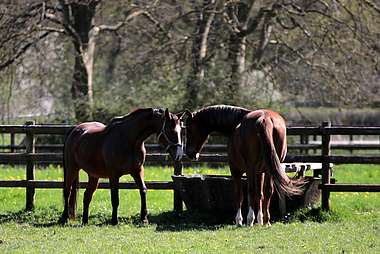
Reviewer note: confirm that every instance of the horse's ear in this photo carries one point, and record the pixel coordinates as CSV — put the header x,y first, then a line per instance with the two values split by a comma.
x,y
188,114
181,115
167,114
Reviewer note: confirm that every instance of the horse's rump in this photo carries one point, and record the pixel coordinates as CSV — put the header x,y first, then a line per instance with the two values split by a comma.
x,y
268,127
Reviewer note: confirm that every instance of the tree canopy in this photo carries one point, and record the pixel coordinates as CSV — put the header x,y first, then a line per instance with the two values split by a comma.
x,y
91,59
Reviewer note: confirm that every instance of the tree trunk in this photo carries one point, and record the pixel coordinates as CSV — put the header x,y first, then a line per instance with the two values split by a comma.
x,y
199,52
237,52
80,90
80,17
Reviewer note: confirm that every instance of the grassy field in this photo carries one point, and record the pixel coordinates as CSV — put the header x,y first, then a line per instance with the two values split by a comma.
x,y
353,226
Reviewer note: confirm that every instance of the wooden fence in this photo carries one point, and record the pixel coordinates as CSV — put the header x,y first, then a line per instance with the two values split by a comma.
x,y
212,154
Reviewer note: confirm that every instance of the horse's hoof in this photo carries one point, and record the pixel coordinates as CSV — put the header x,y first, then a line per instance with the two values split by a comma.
x,y
250,224
239,223
114,221
63,220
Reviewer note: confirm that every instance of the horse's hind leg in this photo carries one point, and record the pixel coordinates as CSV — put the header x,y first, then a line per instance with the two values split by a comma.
x,y
255,197
260,197
238,188
91,187
268,192
114,182
139,179
69,191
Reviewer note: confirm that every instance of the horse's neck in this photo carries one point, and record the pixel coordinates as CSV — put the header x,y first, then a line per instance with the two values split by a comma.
x,y
221,124
144,130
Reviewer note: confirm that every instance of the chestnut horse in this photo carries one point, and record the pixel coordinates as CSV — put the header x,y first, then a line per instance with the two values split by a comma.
x,y
115,150
257,145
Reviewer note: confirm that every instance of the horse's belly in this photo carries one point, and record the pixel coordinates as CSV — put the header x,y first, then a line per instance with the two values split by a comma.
x,y
95,169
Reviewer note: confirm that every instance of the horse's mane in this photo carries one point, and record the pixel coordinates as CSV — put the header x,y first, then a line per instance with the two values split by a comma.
x,y
220,118
129,117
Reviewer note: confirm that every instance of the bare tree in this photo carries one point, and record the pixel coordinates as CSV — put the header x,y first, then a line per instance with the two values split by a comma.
x,y
205,16
304,43
24,25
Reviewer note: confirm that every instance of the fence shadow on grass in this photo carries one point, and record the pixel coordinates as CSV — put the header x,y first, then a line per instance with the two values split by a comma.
x,y
185,221
36,218
165,221
170,221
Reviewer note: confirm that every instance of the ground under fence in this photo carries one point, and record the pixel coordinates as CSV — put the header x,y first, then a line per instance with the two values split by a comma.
x,y
320,161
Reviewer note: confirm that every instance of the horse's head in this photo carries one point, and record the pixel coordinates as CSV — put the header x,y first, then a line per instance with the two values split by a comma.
x,y
170,135
196,136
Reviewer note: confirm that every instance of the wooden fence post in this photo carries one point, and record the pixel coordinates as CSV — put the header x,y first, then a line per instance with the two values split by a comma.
x,y
29,144
351,140
178,205
326,170
301,142
12,141
315,141
305,141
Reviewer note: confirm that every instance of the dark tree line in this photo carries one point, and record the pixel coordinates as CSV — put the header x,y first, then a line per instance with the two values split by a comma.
x,y
115,55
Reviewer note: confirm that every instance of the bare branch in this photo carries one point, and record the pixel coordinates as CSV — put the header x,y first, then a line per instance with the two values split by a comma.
x,y
22,50
131,15
372,5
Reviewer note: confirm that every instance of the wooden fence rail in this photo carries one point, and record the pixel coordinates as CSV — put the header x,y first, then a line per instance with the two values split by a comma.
x,y
211,148
26,154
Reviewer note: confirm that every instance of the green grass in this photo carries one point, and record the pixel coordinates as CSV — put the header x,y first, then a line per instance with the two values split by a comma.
x,y
353,226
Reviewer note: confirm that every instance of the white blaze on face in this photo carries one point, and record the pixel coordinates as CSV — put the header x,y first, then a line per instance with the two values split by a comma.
x,y
178,130
179,149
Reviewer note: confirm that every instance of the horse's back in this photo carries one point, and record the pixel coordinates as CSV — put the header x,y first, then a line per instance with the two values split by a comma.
x,y
83,147
91,127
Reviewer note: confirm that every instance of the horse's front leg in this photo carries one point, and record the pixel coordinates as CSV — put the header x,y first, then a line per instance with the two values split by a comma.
x,y
114,182
139,179
236,177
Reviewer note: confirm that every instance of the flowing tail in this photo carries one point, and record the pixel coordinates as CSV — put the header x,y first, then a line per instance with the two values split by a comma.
x,y
283,184
70,176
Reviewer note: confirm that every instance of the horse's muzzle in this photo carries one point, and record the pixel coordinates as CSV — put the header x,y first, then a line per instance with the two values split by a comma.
x,y
192,155
176,152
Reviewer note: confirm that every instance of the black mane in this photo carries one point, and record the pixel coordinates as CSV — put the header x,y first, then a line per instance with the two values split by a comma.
x,y
220,118
121,119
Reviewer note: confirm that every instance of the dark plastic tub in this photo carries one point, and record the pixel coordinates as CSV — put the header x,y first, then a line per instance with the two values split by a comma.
x,y
214,194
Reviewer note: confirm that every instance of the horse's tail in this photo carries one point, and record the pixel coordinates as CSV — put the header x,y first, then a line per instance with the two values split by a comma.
x,y
65,158
73,189
73,196
283,184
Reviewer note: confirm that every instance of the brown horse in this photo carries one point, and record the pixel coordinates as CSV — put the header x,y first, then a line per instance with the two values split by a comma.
x,y
115,150
257,145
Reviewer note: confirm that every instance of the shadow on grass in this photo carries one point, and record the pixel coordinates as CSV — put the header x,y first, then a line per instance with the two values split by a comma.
x,y
171,221
165,221
314,214
37,218
168,221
